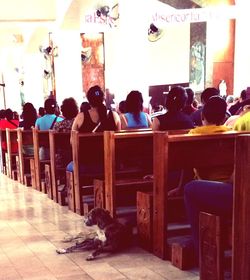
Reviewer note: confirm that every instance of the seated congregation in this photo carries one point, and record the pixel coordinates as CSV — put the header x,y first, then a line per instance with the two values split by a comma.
x,y
104,144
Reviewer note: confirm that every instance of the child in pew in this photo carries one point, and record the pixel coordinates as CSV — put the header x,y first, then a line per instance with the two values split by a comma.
x,y
213,117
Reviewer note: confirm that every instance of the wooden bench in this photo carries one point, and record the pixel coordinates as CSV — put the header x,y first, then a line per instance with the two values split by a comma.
x,y
24,138
40,139
183,151
3,151
127,155
87,149
216,233
11,137
60,156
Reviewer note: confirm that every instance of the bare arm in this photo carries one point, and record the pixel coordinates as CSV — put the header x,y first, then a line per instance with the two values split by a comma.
x,y
156,124
124,123
117,120
77,122
149,120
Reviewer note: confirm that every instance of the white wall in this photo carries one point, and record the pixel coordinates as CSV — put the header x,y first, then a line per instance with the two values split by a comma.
x,y
132,62
68,66
242,54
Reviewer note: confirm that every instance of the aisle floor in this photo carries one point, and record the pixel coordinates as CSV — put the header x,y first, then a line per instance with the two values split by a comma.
x,y
31,228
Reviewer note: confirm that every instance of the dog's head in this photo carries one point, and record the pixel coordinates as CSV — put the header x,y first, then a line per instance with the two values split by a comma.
x,y
99,217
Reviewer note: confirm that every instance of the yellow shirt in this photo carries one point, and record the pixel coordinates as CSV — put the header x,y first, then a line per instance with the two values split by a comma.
x,y
209,129
243,122
223,174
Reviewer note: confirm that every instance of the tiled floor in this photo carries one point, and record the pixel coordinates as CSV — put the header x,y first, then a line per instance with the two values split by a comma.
x,y
32,227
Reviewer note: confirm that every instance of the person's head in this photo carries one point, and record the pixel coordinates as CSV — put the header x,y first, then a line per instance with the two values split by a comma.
x,y
2,114
16,115
176,99
29,115
207,93
214,111
50,105
134,102
69,108
28,110
9,114
229,99
41,111
95,98
122,107
243,95
85,106
190,95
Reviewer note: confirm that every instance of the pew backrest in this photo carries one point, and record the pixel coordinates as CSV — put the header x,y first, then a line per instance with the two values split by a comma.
x,y
60,156
173,152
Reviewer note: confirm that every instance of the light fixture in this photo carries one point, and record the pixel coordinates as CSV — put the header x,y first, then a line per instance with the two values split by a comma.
x,y
154,33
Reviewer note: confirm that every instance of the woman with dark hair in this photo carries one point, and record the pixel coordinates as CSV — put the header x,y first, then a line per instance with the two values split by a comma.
x,y
29,116
96,118
174,118
69,110
134,116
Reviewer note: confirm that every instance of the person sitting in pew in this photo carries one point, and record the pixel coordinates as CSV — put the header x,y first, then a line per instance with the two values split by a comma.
x,y
207,196
49,119
47,122
213,116
212,189
69,109
97,118
174,118
134,117
205,95
8,121
29,116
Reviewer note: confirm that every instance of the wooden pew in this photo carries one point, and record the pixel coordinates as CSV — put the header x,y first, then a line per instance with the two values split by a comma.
x,y
24,137
134,150
60,147
3,152
11,137
119,147
219,233
183,151
90,147
87,149
40,139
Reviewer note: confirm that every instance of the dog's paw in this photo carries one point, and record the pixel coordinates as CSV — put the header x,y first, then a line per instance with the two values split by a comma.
x,y
61,251
90,257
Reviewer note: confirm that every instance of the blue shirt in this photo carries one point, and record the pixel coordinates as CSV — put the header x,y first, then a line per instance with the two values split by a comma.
x,y
141,123
45,122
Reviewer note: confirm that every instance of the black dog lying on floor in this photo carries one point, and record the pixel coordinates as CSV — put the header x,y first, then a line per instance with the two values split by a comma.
x,y
112,236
